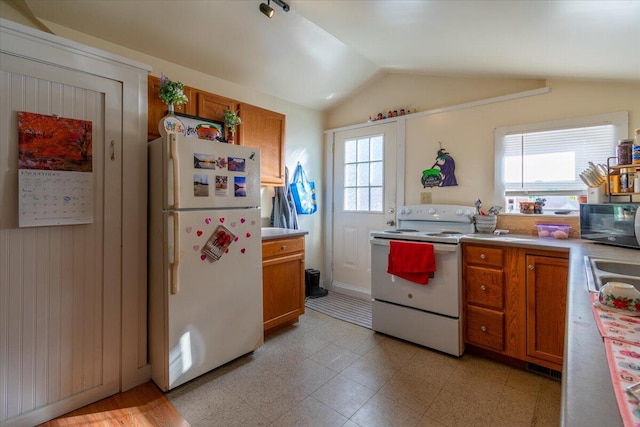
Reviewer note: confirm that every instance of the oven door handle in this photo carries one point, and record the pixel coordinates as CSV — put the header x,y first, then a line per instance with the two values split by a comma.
x,y
436,247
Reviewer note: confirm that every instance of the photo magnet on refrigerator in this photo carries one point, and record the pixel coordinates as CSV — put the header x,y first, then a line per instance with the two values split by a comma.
x,y
218,243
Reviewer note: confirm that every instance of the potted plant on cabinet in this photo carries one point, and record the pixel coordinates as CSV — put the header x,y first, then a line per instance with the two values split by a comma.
x,y
171,93
231,120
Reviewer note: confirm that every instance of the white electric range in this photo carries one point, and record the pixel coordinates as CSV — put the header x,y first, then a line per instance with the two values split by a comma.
x,y
429,315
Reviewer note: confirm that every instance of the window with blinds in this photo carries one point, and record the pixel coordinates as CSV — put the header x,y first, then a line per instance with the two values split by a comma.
x,y
551,161
545,159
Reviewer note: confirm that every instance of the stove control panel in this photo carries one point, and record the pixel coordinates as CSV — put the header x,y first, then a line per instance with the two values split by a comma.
x,y
451,213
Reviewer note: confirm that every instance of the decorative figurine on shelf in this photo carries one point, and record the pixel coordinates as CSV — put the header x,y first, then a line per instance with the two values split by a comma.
x,y
171,93
537,205
231,120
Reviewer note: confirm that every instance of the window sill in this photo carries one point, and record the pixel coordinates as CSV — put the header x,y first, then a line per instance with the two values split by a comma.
x,y
543,215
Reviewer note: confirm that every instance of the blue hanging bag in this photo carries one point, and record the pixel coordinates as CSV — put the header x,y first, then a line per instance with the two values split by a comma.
x,y
303,192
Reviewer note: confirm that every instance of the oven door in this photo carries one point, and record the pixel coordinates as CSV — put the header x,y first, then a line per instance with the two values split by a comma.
x,y
441,295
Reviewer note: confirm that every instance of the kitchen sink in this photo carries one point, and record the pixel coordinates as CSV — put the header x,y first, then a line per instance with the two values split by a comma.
x,y
603,270
618,267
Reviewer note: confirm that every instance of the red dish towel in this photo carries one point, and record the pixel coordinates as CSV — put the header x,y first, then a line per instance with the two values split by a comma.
x,y
415,262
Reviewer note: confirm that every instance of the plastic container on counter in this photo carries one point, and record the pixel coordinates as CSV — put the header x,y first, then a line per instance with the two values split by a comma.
x,y
557,231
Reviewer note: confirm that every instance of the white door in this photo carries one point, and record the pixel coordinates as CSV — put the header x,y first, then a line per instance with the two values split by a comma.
x,y
60,286
364,200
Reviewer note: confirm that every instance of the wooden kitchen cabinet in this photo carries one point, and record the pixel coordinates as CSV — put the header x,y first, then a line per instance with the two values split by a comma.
x,y
158,109
546,287
514,302
265,130
483,277
283,292
211,106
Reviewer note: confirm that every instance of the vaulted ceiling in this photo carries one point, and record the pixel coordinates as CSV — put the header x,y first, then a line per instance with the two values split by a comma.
x,y
322,50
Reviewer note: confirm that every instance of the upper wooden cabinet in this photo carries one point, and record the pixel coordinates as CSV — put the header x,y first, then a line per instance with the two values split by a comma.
x,y
210,106
265,130
158,109
260,128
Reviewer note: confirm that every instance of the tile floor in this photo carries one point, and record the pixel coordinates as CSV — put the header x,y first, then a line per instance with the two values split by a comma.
x,y
326,372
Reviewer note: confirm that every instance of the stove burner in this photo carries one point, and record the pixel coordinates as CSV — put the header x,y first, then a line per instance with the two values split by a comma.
x,y
400,230
444,233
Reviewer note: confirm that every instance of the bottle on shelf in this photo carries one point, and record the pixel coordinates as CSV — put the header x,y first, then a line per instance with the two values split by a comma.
x,y
635,154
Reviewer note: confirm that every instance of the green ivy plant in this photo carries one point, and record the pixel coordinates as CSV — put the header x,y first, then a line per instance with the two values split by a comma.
x,y
232,120
172,92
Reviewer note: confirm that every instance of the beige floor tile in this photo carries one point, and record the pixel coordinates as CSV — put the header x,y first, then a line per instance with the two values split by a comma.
x,y
454,410
272,396
360,342
369,373
329,332
427,421
382,411
343,395
524,381
410,391
279,358
335,357
516,405
501,422
392,353
307,376
550,391
431,367
477,387
310,412
547,412
489,369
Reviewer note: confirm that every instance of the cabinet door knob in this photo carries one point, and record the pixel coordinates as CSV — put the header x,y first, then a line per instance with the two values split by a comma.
x,y
483,288
483,256
283,247
483,328
530,267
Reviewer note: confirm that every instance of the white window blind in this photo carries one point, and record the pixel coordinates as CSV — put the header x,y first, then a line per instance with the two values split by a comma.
x,y
551,161
545,158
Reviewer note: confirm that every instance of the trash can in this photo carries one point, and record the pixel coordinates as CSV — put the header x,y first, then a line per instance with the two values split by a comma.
x,y
312,284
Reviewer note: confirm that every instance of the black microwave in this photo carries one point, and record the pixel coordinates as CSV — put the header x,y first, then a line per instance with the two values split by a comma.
x,y
611,223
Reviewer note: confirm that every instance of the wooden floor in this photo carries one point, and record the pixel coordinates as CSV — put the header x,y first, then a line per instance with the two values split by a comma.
x,y
142,406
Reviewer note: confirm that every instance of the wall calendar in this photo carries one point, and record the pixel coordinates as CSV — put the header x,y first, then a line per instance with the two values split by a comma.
x,y
55,170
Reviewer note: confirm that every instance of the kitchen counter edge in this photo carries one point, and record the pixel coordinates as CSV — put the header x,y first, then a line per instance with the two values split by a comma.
x,y
588,398
273,233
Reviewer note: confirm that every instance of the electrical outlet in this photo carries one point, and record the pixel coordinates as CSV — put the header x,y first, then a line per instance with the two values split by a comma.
x,y
425,197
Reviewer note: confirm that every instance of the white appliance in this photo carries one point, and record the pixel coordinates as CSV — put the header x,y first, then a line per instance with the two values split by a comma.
x,y
205,256
429,315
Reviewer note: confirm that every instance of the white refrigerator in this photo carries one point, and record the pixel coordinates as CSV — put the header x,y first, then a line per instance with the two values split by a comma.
x,y
205,256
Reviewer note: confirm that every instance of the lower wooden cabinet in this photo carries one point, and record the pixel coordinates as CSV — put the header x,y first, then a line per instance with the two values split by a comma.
x,y
283,291
546,286
515,302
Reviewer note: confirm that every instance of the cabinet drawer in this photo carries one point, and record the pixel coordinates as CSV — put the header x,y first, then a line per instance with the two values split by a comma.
x,y
482,255
485,328
282,247
484,286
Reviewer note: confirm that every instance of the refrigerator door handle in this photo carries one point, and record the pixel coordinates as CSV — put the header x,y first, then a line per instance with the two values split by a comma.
x,y
173,148
176,253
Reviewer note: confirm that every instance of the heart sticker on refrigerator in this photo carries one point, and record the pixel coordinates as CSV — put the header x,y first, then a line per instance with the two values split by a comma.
x,y
207,220
222,220
236,239
188,229
242,250
242,220
233,224
203,257
196,247
248,235
253,222
199,233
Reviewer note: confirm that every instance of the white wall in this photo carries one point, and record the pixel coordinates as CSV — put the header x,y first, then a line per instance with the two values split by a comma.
x,y
468,135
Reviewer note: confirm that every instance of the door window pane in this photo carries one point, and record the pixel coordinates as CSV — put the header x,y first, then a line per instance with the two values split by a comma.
x,y
364,174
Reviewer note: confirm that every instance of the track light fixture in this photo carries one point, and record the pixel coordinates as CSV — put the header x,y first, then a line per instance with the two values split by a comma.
x,y
268,10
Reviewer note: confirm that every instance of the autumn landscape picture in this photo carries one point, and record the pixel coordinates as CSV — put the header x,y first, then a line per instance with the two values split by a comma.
x,y
54,143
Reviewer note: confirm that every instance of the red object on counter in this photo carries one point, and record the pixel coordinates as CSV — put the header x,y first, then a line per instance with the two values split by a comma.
x,y
415,262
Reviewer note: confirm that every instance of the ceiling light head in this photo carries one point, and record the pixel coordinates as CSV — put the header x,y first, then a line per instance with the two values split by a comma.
x,y
285,6
266,9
